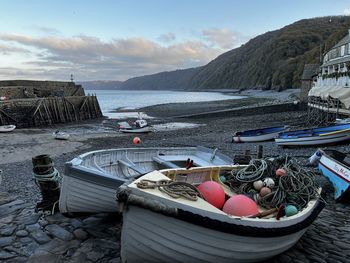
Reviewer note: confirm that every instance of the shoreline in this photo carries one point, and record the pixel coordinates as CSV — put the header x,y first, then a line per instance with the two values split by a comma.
x,y
96,238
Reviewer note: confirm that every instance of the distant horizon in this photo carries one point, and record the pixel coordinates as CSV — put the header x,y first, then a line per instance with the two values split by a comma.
x,y
116,41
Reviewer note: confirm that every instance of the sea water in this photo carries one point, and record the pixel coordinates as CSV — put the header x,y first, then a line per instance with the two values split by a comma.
x,y
111,100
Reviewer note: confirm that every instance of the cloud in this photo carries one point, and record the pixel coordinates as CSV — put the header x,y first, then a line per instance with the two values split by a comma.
x,y
347,11
169,37
9,49
92,58
224,38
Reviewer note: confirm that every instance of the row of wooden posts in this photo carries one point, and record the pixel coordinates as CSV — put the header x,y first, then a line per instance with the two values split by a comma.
x,y
51,110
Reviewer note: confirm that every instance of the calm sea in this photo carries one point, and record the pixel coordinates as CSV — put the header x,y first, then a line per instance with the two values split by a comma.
x,y
111,100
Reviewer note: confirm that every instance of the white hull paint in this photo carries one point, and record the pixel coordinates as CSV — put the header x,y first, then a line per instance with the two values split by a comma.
x,y
258,138
139,130
314,140
84,196
151,237
7,128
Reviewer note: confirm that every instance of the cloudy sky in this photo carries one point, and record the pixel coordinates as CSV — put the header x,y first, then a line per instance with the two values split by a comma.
x,y
117,40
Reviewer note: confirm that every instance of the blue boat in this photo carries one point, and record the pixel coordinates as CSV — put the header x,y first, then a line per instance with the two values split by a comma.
x,y
335,166
317,136
259,135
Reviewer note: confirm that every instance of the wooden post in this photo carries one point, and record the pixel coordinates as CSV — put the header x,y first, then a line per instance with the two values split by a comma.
x,y
259,153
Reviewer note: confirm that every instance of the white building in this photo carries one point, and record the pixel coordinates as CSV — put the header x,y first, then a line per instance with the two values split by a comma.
x,y
331,90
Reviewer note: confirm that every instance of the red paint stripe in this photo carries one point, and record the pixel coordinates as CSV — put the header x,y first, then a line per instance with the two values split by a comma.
x,y
334,172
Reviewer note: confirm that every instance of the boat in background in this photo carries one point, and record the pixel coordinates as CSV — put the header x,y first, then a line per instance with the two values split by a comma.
x,y
160,228
258,135
140,125
91,180
7,128
58,135
335,166
317,136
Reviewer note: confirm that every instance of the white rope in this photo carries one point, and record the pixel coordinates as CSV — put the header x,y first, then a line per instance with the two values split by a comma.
x,y
54,176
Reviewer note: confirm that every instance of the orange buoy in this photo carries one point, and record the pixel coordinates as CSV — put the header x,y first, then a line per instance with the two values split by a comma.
x,y
265,191
136,140
240,205
281,172
213,193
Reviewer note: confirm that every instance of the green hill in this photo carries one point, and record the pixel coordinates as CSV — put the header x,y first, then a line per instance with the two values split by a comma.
x,y
274,60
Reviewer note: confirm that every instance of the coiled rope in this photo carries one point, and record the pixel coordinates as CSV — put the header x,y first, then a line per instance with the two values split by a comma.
x,y
173,189
296,188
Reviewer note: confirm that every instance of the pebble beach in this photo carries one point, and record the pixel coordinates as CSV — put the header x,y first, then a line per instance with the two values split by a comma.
x,y
28,236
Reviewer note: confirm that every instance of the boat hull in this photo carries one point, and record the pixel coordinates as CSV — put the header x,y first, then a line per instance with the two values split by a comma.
x,y
337,173
137,130
313,140
153,237
7,128
257,138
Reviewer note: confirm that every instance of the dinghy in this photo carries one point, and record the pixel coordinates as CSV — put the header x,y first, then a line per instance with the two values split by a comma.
x,y
91,180
335,166
258,135
139,126
7,128
160,226
58,135
316,136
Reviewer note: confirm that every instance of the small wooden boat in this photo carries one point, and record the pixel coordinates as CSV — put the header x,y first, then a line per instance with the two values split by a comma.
x,y
335,166
91,180
159,228
139,126
58,135
258,135
316,136
7,128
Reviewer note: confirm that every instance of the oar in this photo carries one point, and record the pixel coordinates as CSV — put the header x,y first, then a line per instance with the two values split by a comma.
x,y
334,132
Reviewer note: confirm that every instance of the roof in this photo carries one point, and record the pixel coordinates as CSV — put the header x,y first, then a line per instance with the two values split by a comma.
x,y
343,41
310,70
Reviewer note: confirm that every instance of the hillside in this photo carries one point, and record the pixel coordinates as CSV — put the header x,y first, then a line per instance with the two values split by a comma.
x,y
274,60
100,84
172,80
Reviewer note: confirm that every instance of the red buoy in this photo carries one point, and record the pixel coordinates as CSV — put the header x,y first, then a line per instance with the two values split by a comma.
x,y
213,193
136,140
240,205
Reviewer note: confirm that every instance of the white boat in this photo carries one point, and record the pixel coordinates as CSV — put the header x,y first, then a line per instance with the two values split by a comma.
x,y
159,228
58,135
316,136
259,135
335,166
91,180
139,126
7,128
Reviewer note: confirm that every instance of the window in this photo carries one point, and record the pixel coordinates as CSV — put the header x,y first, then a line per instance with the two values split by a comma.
x,y
342,50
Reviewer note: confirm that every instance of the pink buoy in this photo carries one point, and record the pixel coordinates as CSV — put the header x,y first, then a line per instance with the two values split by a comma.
x,y
240,205
136,140
265,191
213,193
281,172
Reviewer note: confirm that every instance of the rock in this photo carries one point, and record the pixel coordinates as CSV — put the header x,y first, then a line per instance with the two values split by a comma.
x,y
59,232
27,219
5,255
58,246
33,227
76,223
78,257
80,234
45,257
6,220
7,230
40,237
21,233
25,240
5,241
56,218
94,255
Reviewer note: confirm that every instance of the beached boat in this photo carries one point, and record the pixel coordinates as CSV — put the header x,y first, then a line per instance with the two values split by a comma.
x,y
58,135
7,128
335,166
139,126
317,136
258,135
91,180
159,228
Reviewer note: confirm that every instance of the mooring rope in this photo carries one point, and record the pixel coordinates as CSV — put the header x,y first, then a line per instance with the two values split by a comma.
x,y
173,189
54,176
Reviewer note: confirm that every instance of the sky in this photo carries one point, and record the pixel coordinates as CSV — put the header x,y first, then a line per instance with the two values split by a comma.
x,y
118,40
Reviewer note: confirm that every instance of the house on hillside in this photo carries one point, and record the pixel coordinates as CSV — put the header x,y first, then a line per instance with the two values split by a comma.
x,y
330,95
308,78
